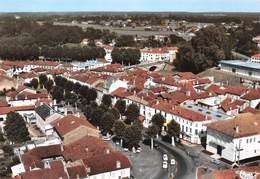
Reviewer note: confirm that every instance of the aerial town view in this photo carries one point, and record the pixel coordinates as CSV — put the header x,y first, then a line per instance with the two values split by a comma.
x,y
130,89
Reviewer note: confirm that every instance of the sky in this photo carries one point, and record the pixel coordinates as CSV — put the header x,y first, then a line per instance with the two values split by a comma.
x,y
130,5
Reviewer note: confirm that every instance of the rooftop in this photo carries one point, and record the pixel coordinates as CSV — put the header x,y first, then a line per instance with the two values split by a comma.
x,y
243,64
213,114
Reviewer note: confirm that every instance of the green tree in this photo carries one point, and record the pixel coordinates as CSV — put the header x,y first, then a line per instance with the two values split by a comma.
x,y
42,79
158,120
57,93
119,128
205,50
107,122
106,100
132,113
173,129
121,106
48,85
34,83
126,56
15,128
152,131
2,139
132,136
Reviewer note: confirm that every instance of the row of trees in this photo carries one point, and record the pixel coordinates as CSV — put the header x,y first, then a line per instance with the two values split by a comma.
x,y
26,39
126,56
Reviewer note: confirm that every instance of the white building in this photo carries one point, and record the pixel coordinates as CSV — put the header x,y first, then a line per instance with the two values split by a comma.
x,y
255,58
235,139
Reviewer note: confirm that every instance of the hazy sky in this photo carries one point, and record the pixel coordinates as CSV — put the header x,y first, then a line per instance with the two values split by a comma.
x,y
130,5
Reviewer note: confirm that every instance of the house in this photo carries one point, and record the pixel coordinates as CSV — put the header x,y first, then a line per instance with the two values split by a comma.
x,y
22,110
247,70
255,58
235,139
7,83
45,114
72,128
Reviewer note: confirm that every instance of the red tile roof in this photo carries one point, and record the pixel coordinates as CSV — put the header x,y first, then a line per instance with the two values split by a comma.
x,y
252,94
228,104
78,171
232,173
107,162
69,123
84,148
121,92
250,110
33,158
113,68
6,110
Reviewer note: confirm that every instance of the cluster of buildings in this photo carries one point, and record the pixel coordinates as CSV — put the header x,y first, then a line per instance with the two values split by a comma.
x,y
67,145
247,71
223,117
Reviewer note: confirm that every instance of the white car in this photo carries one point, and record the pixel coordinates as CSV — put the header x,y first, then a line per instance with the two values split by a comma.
x,y
164,165
173,162
165,157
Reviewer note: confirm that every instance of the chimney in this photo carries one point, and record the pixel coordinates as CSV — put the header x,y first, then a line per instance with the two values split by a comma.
x,y
107,151
237,129
65,111
118,164
157,101
61,147
188,93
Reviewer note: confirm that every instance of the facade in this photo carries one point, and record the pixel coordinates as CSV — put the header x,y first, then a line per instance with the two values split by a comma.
x,y
235,139
246,69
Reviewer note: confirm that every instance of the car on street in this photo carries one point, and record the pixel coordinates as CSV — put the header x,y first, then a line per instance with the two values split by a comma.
x,y
164,165
165,157
215,161
173,162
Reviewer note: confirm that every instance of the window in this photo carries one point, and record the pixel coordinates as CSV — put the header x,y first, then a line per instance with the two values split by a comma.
x,y
1,119
250,73
233,70
196,131
247,140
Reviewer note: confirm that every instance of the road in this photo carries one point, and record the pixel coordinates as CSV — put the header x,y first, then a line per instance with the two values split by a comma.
x,y
185,166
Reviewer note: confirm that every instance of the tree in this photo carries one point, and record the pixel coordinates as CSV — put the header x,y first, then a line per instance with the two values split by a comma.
x,y
69,85
15,128
126,56
76,87
119,128
42,80
106,100
96,117
107,122
158,120
91,95
125,41
132,113
205,50
48,85
132,136
57,93
2,139
152,131
34,83
121,106
115,113
173,129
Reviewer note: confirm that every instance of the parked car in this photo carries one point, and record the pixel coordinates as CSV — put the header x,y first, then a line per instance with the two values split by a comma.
x,y
165,157
173,162
164,165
